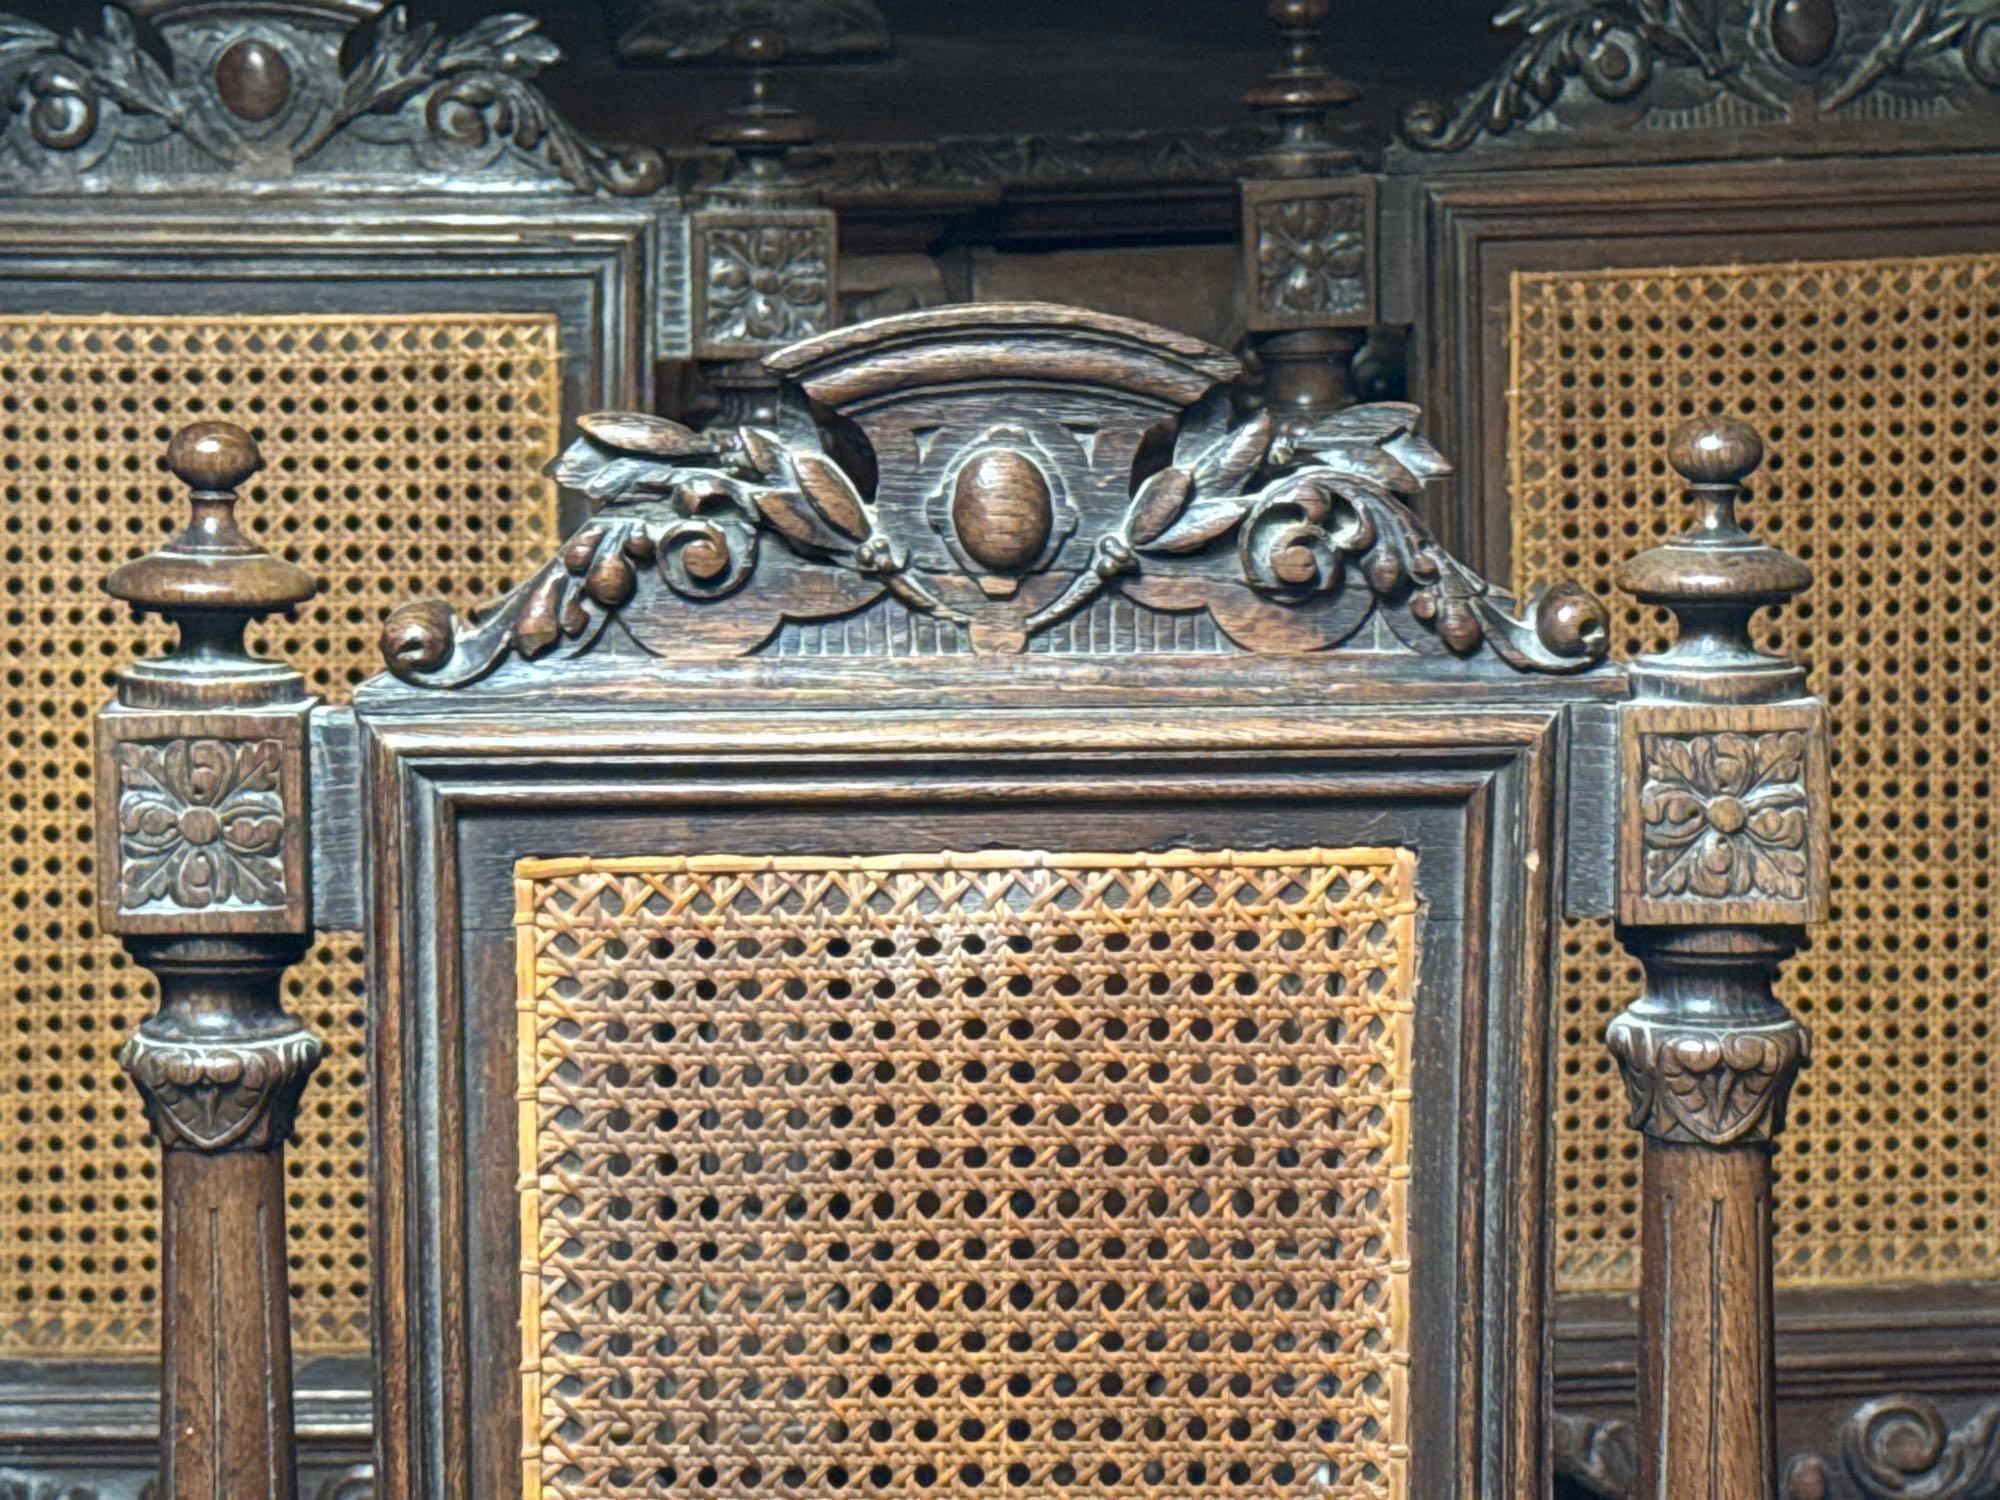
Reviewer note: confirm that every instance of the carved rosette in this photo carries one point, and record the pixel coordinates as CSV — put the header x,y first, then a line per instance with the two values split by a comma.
x,y
765,278
239,1095
201,823
1312,263
1708,1086
1725,814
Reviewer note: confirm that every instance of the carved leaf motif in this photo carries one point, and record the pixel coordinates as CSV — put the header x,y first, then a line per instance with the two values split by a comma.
x,y
832,495
1201,524
1160,499
1222,469
793,519
642,432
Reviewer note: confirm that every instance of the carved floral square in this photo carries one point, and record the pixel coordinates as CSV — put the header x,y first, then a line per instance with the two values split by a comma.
x,y
767,284
200,823
1724,815
1311,257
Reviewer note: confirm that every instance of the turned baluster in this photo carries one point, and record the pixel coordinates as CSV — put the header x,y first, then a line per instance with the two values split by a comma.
x,y
1722,864
202,788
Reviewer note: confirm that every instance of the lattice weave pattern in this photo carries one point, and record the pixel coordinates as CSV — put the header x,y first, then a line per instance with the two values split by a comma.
x,y
1003,1173
405,457
1876,385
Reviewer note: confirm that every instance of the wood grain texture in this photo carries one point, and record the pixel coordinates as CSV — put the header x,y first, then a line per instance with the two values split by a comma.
x,y
205,877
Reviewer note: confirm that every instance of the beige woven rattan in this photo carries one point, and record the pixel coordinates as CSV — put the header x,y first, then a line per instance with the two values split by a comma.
x,y
1876,385
1015,1173
405,457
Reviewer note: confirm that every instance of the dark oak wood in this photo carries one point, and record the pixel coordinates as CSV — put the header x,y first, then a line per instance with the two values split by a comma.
x,y
1712,897
204,861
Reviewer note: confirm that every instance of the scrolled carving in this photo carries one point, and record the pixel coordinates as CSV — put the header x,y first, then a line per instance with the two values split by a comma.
x,y
1690,54
1712,1086
1331,526
690,508
1724,816
201,824
1901,1448
280,100
221,1095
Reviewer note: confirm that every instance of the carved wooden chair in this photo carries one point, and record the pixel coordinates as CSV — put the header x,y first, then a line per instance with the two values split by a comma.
x,y
992,936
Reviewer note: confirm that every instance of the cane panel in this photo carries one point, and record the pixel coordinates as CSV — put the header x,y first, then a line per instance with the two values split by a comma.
x,y
1006,1173
1876,385
405,457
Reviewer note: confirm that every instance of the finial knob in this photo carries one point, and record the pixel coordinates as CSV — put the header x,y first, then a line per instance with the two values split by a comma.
x,y
213,457
758,46
1715,451
212,568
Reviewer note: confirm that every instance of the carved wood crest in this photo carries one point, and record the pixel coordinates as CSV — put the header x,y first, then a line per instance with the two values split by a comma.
x,y
276,91
1583,65
998,469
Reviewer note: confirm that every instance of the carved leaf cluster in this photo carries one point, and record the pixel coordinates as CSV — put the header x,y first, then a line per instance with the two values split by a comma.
x,y
212,1096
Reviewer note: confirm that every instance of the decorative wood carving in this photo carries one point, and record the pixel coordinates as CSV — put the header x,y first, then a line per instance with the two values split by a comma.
x,y
204,876
1901,1448
1686,65
1601,1455
1311,253
1722,863
261,89
679,31
201,822
1292,540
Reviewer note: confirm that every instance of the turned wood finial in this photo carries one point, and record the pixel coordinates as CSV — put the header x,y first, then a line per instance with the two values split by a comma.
x,y
1716,576
211,567
758,130
1299,93
210,580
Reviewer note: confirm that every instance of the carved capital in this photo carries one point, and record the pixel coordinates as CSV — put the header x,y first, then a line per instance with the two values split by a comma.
x,y
1706,1085
237,1095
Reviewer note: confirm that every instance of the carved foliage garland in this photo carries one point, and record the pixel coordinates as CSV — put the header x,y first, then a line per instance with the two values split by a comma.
x,y
279,98
1779,60
753,528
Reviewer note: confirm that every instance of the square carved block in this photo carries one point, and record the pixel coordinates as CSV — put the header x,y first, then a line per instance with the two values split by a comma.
x,y
1314,261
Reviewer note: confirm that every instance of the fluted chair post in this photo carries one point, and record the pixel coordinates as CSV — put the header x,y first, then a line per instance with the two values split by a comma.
x,y
203,874
1722,863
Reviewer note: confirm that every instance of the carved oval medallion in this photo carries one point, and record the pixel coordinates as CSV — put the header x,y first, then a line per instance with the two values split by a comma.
x,y
1803,30
253,79
1002,509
